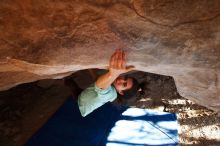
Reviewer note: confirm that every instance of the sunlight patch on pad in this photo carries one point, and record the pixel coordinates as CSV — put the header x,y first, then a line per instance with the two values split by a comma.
x,y
134,112
137,128
171,125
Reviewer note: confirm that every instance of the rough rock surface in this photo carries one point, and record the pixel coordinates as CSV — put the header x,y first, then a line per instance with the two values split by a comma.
x,y
53,38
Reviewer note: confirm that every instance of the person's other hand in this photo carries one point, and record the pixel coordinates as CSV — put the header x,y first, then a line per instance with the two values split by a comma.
x,y
118,62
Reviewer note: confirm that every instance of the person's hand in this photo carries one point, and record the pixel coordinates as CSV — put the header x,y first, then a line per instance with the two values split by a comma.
x,y
118,62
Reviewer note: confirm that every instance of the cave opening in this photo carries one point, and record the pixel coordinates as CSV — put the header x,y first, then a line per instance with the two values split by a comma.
x,y
26,107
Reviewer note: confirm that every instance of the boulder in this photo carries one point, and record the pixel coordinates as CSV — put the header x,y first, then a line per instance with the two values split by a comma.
x,y
54,38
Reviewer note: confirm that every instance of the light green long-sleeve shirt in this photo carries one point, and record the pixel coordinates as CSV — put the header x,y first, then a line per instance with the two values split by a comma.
x,y
93,97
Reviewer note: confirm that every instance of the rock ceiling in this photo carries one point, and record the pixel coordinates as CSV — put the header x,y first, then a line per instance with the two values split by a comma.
x,y
54,38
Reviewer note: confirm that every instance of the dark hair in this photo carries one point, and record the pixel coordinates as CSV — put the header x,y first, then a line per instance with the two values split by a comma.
x,y
129,93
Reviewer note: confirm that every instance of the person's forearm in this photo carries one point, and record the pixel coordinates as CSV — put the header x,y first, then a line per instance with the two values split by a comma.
x,y
106,80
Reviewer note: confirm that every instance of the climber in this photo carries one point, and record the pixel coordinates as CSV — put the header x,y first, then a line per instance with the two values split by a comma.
x,y
109,86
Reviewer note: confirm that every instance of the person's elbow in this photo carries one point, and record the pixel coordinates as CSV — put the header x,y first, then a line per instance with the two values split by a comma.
x,y
83,114
82,111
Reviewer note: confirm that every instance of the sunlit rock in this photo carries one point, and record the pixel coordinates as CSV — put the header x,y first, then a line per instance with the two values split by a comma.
x,y
52,39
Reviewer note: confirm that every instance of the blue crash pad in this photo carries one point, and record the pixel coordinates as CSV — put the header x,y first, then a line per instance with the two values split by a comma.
x,y
107,126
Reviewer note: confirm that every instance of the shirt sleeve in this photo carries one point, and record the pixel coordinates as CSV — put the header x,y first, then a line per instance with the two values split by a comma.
x,y
93,97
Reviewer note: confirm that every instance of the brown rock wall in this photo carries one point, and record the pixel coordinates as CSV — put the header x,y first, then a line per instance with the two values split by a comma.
x,y
52,38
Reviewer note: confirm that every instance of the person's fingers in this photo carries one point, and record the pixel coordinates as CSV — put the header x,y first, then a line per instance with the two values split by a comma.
x,y
125,58
111,63
112,57
118,59
112,60
122,60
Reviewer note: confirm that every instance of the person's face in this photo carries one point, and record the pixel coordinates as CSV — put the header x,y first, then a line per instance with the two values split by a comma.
x,y
122,83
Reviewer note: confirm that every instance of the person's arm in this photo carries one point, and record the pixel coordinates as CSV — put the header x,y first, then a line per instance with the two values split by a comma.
x,y
93,97
101,91
117,66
